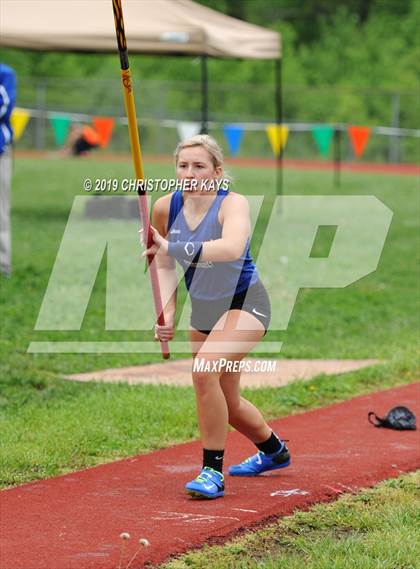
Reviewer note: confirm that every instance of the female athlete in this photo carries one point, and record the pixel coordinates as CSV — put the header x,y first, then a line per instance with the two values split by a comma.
x,y
206,228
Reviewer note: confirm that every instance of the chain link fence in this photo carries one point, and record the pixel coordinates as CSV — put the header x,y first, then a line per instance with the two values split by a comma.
x,y
160,104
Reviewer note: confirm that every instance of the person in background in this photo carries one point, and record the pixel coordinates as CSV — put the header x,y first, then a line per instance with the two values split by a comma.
x,y
7,102
81,140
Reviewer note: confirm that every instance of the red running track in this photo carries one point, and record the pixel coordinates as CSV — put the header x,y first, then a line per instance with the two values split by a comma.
x,y
404,169
74,521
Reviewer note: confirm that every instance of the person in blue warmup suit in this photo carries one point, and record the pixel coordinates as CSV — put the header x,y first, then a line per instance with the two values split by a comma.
x,y
205,227
7,102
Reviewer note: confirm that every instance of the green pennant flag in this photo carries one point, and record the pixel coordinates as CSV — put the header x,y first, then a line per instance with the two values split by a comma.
x,y
61,125
323,136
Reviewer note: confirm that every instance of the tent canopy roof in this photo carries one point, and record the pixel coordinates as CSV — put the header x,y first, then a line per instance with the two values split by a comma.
x,y
152,26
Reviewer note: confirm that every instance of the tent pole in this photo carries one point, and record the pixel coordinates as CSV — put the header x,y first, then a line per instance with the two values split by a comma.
x,y
279,119
204,95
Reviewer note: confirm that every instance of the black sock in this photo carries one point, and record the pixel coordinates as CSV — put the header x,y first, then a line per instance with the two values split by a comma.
x,y
270,446
213,459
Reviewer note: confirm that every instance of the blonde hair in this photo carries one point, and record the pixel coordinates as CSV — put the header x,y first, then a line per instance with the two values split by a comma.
x,y
208,143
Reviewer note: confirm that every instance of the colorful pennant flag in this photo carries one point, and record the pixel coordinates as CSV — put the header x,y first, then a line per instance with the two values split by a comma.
x,y
104,127
323,137
61,125
18,121
359,136
277,134
233,134
188,129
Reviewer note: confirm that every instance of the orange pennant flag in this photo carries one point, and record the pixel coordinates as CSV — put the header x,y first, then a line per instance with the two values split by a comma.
x,y
359,136
104,127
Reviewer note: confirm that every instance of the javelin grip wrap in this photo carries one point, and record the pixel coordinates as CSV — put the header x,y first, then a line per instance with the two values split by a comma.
x,y
119,28
185,250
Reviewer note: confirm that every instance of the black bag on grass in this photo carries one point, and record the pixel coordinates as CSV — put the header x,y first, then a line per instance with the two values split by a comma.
x,y
399,418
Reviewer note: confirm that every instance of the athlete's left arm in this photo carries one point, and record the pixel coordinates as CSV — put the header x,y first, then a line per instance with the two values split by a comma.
x,y
236,228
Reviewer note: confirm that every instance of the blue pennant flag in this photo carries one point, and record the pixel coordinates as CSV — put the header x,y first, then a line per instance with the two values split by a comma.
x,y
233,134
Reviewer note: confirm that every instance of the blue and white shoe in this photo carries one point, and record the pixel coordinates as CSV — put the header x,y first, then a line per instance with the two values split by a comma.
x,y
208,484
260,462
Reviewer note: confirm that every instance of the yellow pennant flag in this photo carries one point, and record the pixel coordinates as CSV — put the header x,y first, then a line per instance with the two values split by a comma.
x,y
277,134
19,120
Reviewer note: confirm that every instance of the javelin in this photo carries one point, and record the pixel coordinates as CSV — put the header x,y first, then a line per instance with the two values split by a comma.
x,y
137,161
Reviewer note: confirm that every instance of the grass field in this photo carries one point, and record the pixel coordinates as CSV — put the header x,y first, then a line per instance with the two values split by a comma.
x,y
50,426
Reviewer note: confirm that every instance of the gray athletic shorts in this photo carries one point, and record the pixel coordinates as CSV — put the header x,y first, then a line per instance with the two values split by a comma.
x,y
255,300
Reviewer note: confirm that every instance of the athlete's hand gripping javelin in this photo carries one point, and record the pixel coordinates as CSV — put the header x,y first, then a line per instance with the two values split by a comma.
x,y
159,246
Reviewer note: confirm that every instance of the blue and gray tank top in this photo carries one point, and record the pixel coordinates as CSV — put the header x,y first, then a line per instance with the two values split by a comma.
x,y
209,280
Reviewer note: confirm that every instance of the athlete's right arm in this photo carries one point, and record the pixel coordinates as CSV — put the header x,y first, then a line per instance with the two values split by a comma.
x,y
168,278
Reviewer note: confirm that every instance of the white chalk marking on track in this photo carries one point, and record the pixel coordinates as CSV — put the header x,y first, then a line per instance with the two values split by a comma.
x,y
288,493
189,518
346,487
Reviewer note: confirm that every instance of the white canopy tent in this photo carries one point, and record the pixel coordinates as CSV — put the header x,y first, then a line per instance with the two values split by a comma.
x,y
167,27
152,26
